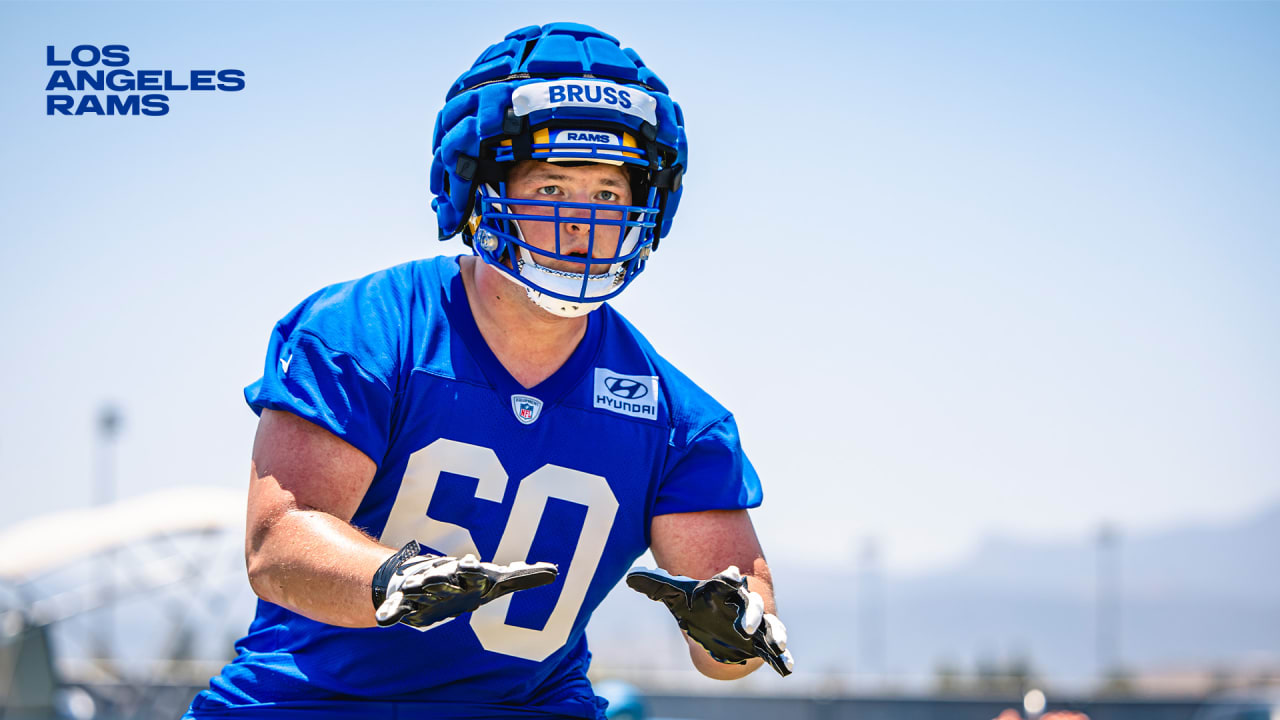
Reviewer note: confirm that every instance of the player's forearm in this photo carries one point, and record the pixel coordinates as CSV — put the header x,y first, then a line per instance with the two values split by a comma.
x,y
316,565
694,552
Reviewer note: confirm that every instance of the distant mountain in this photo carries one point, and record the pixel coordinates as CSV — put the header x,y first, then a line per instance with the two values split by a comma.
x,y
1201,596
1229,561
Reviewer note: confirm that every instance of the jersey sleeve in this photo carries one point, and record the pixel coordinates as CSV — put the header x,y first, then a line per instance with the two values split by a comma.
x,y
710,472
327,364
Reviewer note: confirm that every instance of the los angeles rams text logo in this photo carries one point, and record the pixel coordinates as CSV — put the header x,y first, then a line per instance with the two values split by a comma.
x,y
109,80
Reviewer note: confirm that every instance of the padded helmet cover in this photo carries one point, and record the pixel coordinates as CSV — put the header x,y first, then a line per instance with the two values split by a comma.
x,y
478,117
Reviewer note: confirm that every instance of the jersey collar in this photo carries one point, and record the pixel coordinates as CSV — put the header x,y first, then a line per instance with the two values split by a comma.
x,y
551,390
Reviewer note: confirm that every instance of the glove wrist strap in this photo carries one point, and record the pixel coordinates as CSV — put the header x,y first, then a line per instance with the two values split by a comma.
x,y
382,577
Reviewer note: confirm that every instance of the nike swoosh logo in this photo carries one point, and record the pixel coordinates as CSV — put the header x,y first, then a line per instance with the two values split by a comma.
x,y
284,364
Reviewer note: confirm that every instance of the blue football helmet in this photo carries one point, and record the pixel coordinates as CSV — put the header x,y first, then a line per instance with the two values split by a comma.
x,y
560,93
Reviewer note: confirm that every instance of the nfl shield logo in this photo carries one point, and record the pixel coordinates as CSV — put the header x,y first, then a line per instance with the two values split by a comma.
x,y
526,408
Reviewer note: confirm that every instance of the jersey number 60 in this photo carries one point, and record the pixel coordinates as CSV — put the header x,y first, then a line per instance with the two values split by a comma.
x,y
409,521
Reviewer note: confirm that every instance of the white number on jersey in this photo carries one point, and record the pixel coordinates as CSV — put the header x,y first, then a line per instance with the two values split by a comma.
x,y
409,521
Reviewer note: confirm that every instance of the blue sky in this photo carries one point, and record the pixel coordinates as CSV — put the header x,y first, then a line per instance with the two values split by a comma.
x,y
958,268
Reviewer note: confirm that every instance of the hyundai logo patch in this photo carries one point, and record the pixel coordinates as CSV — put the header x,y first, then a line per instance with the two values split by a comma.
x,y
633,395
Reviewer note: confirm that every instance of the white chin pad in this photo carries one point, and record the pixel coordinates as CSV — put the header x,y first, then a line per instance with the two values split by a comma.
x,y
568,283
565,283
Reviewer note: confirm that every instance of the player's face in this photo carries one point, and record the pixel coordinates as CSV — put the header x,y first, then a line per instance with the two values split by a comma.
x,y
593,183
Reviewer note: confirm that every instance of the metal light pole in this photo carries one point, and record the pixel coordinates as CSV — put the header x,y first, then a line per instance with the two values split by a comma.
x,y
1108,602
108,425
870,617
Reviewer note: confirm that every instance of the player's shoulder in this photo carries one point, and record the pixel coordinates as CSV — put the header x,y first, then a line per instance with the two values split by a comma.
x,y
390,292
627,356
373,318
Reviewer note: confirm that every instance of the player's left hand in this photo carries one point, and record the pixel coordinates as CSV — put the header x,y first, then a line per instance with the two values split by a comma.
x,y
425,590
720,614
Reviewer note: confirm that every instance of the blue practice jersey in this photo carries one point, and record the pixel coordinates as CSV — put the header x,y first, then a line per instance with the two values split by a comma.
x,y
570,472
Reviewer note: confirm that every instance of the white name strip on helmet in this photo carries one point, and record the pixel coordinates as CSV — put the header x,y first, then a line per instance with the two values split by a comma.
x,y
585,93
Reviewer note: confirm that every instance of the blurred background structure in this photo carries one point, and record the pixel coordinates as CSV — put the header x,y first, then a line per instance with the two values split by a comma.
x,y
120,609
992,295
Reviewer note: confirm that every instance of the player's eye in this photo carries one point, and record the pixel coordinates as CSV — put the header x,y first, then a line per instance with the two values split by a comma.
x,y
548,190
607,195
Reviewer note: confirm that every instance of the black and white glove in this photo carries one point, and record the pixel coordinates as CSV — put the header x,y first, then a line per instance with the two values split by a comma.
x,y
720,614
425,590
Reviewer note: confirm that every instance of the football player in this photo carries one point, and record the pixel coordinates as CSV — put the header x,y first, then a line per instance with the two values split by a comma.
x,y
458,458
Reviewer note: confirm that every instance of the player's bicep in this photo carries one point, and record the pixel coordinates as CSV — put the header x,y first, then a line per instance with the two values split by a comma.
x,y
298,465
701,544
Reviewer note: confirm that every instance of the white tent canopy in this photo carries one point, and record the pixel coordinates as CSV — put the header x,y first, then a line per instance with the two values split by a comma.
x,y
45,543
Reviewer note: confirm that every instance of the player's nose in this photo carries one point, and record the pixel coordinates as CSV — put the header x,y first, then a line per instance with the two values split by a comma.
x,y
576,223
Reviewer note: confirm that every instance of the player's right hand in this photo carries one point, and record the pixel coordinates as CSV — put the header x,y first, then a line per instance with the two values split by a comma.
x,y
720,614
425,590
